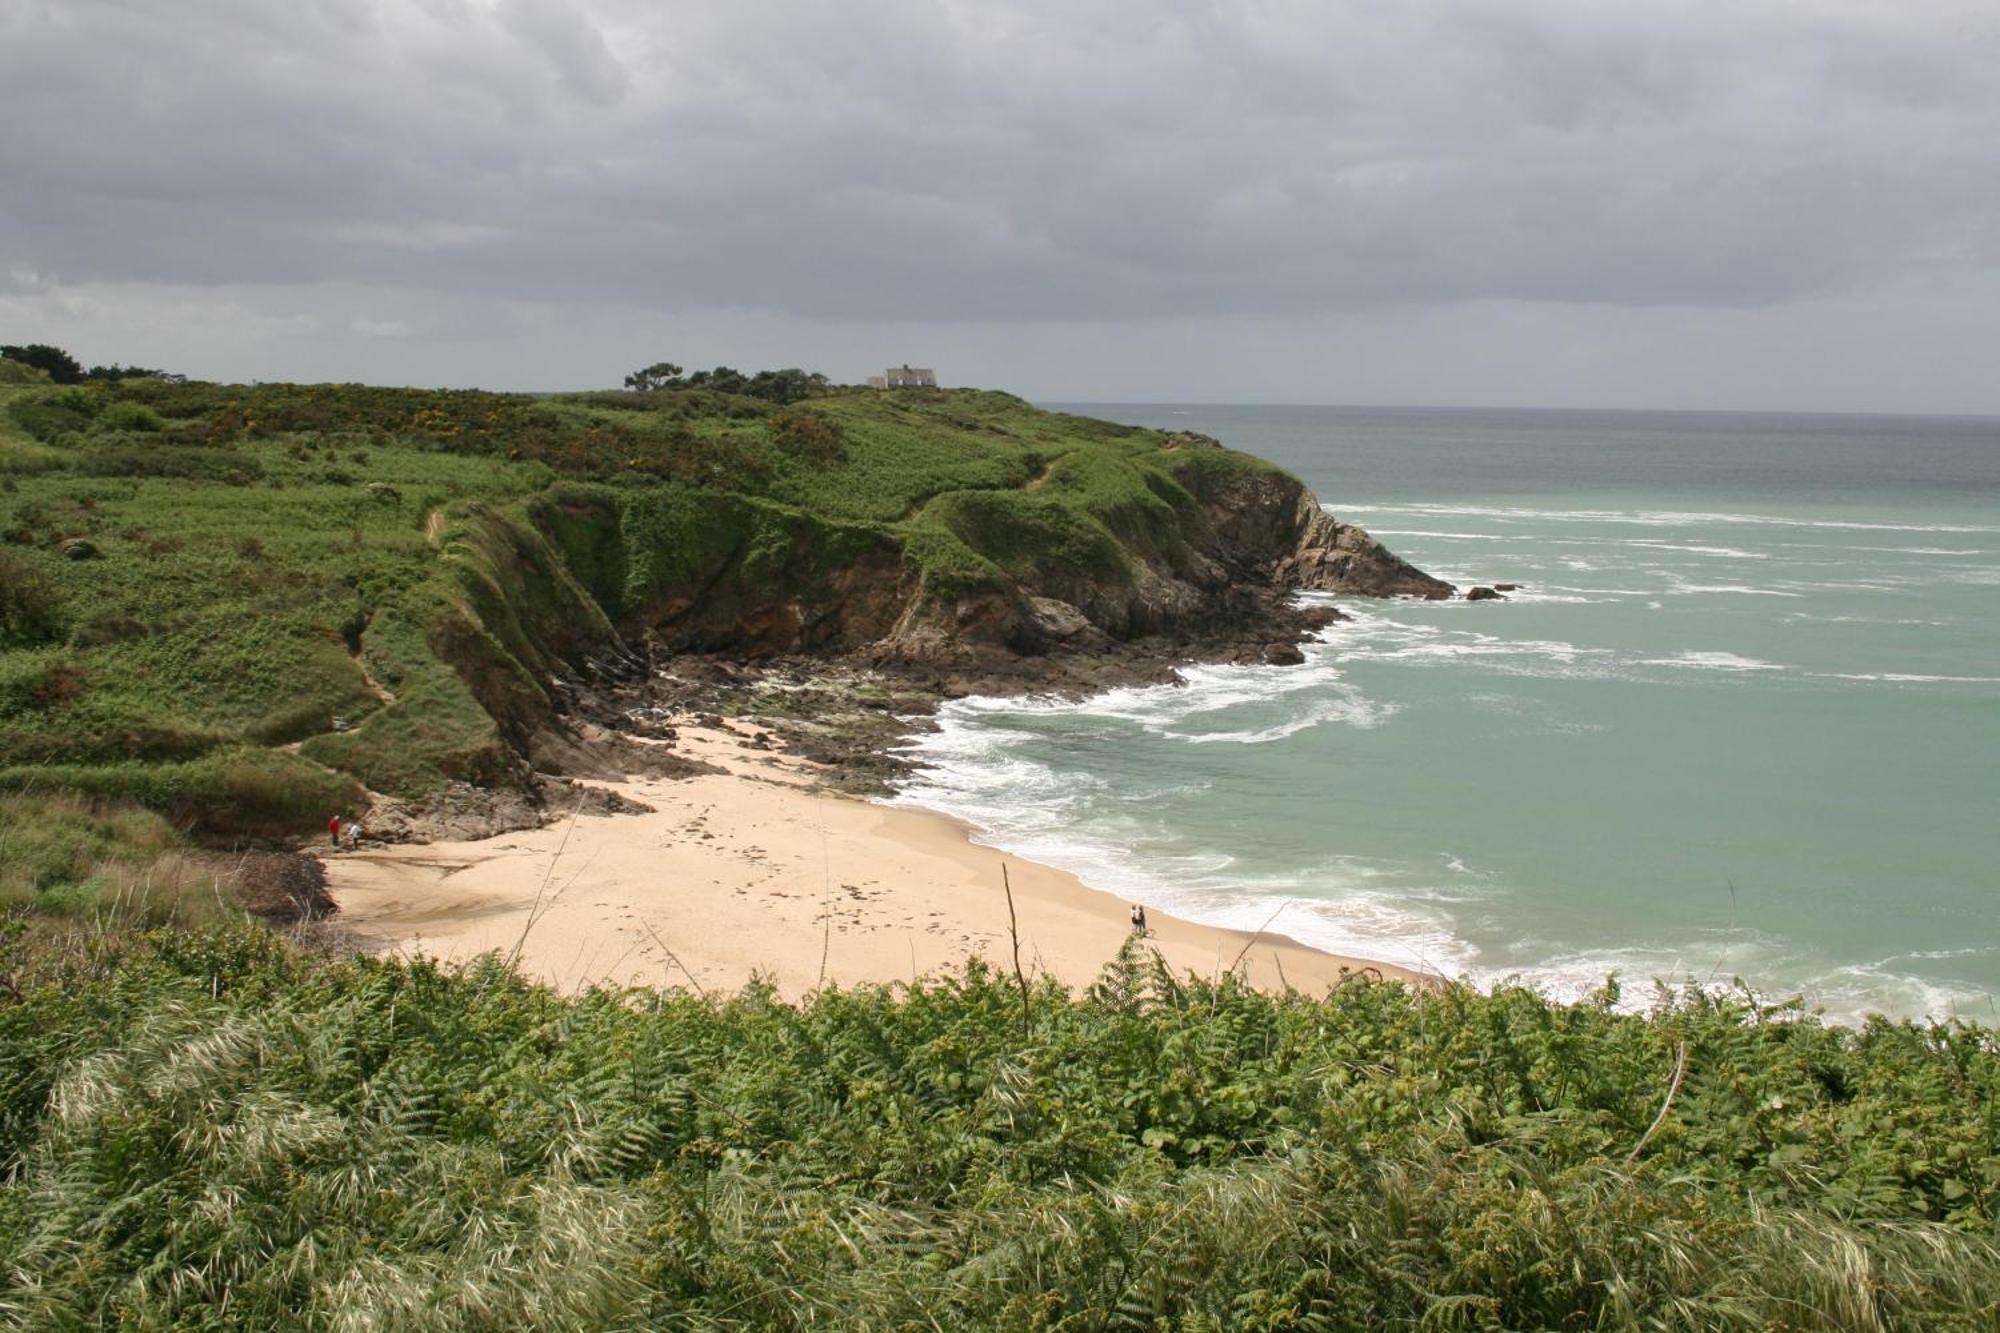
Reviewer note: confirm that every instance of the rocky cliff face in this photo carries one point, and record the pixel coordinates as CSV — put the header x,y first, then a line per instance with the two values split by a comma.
x,y
1331,556
1206,568
1265,536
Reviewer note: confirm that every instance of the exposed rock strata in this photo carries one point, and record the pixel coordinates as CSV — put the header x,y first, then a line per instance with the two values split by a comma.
x,y
1266,537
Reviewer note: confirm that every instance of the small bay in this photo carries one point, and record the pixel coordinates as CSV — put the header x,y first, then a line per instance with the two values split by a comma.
x,y
1742,717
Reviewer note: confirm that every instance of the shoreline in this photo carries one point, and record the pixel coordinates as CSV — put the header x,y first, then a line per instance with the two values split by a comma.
x,y
756,870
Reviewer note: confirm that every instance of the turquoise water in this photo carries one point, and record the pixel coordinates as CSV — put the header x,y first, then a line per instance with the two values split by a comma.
x,y
1743,719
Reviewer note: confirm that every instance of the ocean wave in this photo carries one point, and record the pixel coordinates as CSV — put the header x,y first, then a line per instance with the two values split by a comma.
x,y
1713,661
1769,969
1886,550
1337,907
1452,536
1683,587
1695,549
1865,620
1351,709
1906,678
1652,518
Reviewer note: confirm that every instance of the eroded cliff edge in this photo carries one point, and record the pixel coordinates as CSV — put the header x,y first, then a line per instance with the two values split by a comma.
x,y
1179,550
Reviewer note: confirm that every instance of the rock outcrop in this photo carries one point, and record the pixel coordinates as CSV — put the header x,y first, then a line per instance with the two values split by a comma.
x,y
1332,556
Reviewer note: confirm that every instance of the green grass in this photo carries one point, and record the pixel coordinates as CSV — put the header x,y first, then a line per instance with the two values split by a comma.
x,y
390,581
209,1130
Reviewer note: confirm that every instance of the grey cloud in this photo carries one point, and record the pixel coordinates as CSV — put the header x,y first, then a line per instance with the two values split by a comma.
x,y
1093,159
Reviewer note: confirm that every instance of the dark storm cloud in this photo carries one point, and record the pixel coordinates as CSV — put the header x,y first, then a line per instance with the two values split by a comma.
x,y
1062,159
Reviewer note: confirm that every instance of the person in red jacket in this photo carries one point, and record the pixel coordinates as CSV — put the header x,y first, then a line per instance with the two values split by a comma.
x,y
333,830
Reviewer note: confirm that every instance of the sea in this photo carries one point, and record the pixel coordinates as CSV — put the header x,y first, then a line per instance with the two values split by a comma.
x,y
1739,726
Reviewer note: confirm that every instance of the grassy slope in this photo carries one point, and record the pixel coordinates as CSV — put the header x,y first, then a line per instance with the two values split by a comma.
x,y
204,1130
420,564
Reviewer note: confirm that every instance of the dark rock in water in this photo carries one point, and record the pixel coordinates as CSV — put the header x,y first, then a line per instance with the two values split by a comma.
x,y
76,548
1483,594
1283,654
1505,587
1438,595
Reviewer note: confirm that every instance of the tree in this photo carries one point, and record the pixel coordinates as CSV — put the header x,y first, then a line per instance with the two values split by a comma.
x,y
786,386
659,375
115,372
723,379
60,365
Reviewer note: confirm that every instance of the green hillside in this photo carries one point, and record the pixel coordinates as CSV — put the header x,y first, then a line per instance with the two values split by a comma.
x,y
234,603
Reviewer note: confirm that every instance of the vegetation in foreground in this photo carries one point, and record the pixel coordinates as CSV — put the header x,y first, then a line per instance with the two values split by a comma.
x,y
211,1130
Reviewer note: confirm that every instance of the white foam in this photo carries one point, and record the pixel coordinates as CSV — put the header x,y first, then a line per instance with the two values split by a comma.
x,y
1652,518
1906,678
1684,587
1714,661
1350,709
1451,536
1862,620
1737,553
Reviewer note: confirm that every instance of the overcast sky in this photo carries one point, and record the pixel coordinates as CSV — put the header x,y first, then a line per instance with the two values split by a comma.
x,y
1677,203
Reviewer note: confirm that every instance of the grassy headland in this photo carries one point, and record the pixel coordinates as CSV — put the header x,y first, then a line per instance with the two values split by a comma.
x,y
236,605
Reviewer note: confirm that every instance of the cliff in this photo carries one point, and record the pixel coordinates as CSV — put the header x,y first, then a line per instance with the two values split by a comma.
x,y
297,585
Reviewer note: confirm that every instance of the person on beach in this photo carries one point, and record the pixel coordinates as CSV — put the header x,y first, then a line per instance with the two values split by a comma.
x,y
333,832
1138,919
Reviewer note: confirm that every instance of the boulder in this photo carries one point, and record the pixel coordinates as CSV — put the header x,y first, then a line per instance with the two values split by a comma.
x,y
76,548
1283,654
1059,623
1483,594
1505,587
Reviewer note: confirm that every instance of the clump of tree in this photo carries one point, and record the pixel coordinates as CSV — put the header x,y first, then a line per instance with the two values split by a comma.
x,y
58,365
789,385
62,368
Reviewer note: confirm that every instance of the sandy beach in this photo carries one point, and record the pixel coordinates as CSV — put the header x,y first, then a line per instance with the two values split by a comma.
x,y
753,871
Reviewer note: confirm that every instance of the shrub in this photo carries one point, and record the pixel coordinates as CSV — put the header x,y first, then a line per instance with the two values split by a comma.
x,y
203,1129
810,436
258,793
48,420
128,415
30,612
48,839
187,462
